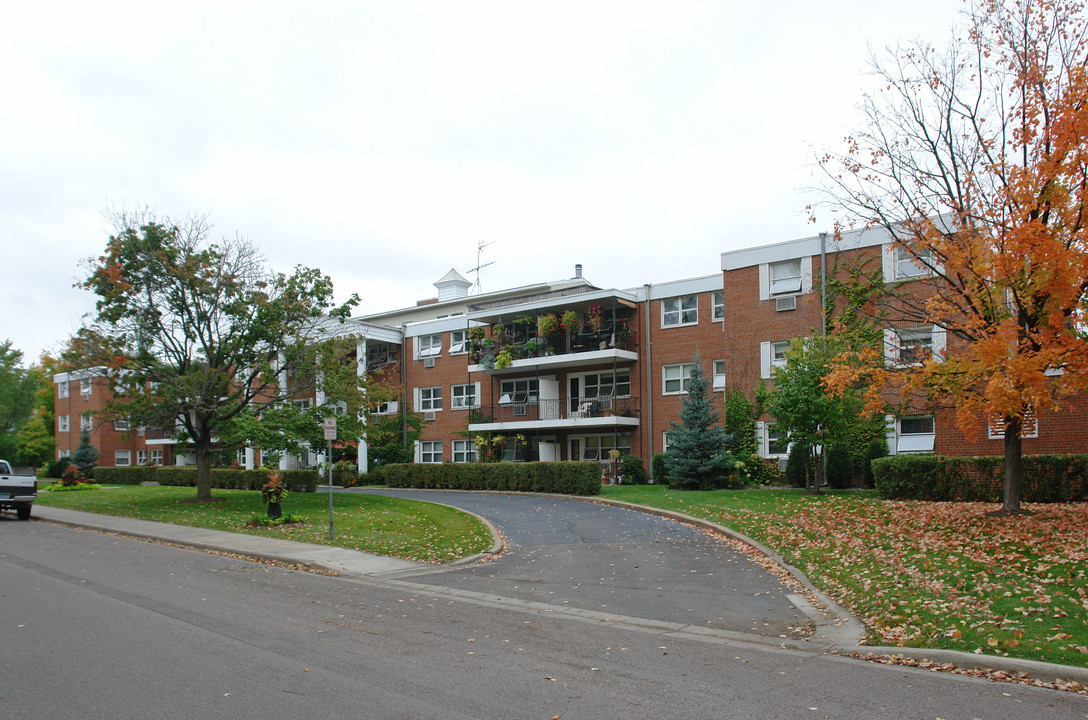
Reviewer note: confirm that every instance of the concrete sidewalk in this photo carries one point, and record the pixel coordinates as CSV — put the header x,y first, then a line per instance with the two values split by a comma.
x,y
345,562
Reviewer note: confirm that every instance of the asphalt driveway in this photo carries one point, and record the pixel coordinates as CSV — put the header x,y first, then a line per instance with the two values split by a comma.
x,y
615,560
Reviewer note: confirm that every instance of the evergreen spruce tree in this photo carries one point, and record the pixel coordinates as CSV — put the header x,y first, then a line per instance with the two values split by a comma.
x,y
697,457
86,455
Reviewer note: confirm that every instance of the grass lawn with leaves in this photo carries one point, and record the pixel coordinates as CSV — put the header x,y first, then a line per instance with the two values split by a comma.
x,y
381,525
921,574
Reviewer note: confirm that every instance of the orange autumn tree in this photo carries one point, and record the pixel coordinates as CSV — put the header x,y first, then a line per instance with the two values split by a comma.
x,y
975,160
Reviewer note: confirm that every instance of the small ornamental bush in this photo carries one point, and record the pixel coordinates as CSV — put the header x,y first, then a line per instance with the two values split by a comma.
x,y
632,470
840,468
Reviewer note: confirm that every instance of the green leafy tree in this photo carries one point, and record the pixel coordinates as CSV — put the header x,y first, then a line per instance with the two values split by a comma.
x,y
803,407
697,456
17,386
37,439
86,455
194,334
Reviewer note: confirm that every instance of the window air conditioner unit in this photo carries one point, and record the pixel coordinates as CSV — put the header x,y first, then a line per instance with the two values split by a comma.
x,y
785,303
429,416
428,362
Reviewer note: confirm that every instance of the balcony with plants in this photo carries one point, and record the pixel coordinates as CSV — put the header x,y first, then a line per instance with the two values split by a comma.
x,y
572,413
556,338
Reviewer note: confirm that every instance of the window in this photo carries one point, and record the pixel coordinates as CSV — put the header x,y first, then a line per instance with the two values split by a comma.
x,y
519,391
772,355
915,434
1029,425
717,305
607,384
428,346
680,311
464,451
596,447
62,423
906,266
778,442
63,454
458,341
676,377
156,456
86,423
913,346
785,277
85,388
62,389
121,424
141,457
463,397
387,408
430,451
122,457
430,399
719,374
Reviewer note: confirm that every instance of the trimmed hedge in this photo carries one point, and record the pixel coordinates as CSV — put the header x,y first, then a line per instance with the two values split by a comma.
x,y
222,479
1047,478
565,478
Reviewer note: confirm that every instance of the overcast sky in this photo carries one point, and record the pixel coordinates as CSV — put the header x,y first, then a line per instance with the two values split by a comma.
x,y
382,141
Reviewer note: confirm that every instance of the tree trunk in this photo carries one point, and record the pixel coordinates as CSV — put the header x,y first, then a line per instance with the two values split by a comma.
x,y
1014,468
203,449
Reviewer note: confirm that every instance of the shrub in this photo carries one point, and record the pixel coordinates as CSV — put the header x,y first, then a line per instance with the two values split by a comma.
x,y
661,473
878,448
56,470
1047,478
131,475
797,465
840,468
224,479
568,478
632,470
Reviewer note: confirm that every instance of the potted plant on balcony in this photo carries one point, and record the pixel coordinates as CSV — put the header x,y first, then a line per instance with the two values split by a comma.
x,y
532,347
505,358
595,317
569,321
547,326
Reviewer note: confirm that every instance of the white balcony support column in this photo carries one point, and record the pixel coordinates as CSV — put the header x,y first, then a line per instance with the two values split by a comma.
x,y
362,461
250,457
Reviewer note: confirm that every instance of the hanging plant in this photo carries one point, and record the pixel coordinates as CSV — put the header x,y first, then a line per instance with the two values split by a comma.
x,y
504,359
595,317
547,325
570,321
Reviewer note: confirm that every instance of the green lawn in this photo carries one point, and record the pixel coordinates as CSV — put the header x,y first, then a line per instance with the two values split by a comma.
x,y
381,525
922,574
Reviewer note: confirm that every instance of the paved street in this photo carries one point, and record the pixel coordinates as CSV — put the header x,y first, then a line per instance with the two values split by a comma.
x,y
98,626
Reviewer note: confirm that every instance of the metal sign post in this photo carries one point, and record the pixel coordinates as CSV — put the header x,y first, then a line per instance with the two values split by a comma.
x,y
330,435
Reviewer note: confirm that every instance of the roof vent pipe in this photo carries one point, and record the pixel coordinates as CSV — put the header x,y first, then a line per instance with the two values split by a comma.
x,y
578,271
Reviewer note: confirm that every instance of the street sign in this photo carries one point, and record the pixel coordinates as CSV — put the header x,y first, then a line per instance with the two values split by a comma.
x,y
330,428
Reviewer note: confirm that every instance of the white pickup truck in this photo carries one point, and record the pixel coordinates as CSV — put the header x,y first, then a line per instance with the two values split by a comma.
x,y
17,492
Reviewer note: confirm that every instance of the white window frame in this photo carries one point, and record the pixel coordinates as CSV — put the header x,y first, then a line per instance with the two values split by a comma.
x,y
676,372
63,454
718,367
62,423
772,355
428,345
429,399
62,389
900,266
458,342
680,311
464,451
594,448
121,424
785,277
1029,426
767,436
387,408
894,344
519,390
914,442
458,396
429,451
86,386
141,457
155,456
86,422
122,458
612,383
765,282
717,306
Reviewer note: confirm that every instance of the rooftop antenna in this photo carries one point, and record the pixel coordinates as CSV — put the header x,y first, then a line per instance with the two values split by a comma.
x,y
477,289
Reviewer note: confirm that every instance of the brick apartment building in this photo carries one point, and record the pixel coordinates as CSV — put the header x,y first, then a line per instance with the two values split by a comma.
x,y
616,378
